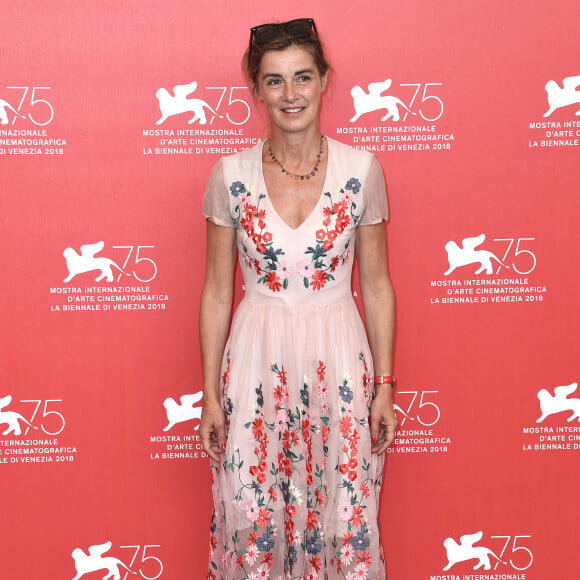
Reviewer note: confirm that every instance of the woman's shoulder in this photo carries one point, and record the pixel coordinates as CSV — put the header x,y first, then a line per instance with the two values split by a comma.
x,y
348,157
253,154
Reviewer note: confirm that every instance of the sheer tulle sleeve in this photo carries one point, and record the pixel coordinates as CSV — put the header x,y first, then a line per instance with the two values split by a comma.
x,y
375,196
216,199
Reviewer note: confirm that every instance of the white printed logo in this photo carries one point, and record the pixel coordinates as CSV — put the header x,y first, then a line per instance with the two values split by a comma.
x,y
430,107
4,107
465,550
426,412
467,254
374,100
149,567
559,402
11,418
183,411
517,555
85,564
51,422
559,97
43,110
86,261
178,103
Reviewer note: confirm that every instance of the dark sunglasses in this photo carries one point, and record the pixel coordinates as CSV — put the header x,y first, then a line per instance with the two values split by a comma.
x,y
299,28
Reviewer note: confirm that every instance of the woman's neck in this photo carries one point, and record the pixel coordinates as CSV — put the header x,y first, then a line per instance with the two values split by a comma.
x,y
294,148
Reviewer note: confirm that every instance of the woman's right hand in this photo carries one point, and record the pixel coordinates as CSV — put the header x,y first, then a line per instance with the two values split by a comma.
x,y
212,429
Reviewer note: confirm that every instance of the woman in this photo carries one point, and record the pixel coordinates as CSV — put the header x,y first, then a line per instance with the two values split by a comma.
x,y
293,421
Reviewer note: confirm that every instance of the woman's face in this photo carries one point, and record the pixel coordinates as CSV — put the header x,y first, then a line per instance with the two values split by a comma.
x,y
290,86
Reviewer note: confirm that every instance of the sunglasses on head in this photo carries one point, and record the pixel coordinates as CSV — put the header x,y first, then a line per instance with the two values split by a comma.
x,y
299,28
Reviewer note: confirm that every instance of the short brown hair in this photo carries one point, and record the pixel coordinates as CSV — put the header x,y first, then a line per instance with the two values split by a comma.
x,y
254,54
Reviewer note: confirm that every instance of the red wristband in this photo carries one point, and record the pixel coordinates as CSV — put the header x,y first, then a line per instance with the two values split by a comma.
x,y
385,379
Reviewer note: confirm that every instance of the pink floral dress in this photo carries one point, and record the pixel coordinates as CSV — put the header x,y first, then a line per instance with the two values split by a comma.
x,y
296,492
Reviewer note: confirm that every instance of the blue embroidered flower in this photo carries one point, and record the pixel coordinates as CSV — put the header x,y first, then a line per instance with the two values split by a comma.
x,y
236,188
345,393
265,543
312,546
360,542
292,554
353,184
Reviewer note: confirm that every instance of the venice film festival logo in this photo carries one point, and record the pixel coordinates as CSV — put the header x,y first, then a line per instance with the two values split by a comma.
x,y
30,428
52,421
559,403
508,551
494,272
550,434
149,567
556,132
419,413
25,114
182,445
565,96
88,261
228,103
416,101
39,110
127,275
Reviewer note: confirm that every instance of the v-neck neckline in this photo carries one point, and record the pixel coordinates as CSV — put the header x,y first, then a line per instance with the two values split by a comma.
x,y
318,201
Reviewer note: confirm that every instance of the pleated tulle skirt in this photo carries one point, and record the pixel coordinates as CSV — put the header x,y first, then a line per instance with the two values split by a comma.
x,y
296,492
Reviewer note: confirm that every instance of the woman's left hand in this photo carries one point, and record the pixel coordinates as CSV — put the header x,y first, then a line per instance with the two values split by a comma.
x,y
383,420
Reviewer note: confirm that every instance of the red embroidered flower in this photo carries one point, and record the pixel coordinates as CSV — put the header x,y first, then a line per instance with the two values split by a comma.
x,y
315,563
319,279
273,281
311,520
356,518
267,237
345,424
263,518
257,427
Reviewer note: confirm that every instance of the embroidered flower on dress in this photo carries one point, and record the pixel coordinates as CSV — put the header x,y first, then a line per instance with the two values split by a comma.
x,y
236,188
315,272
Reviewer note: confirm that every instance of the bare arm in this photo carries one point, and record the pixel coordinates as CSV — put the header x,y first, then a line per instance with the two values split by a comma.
x,y
214,320
379,309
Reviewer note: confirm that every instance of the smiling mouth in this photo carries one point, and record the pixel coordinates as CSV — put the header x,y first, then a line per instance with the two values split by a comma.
x,y
293,110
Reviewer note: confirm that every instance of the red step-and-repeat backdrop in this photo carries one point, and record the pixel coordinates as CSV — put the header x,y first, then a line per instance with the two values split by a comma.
x,y
111,116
